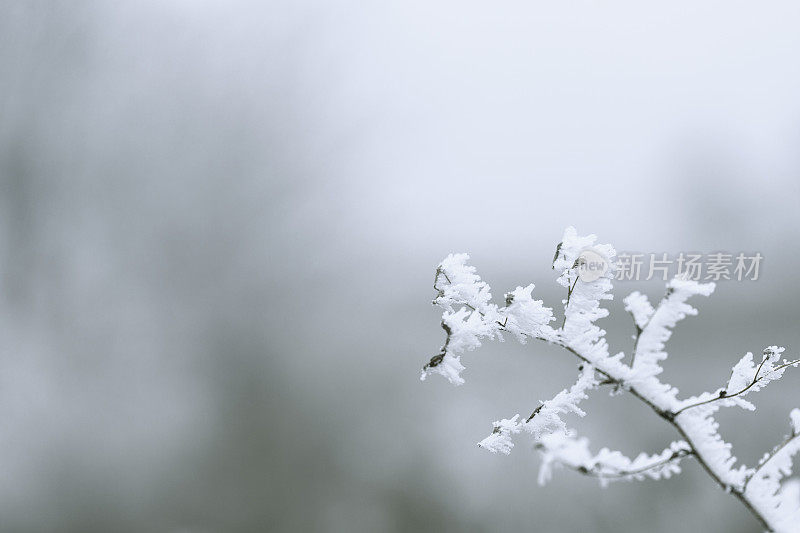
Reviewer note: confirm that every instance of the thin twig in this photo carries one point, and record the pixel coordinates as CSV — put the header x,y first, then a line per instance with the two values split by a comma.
x,y
534,413
620,473
635,343
641,329
569,295
723,393
437,359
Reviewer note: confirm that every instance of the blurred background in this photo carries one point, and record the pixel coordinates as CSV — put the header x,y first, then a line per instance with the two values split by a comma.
x,y
219,224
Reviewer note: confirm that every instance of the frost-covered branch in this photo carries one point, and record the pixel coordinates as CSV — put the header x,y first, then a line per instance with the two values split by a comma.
x,y
558,449
741,382
789,443
470,317
763,487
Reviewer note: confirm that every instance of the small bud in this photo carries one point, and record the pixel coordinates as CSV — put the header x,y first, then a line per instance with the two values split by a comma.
x,y
772,353
555,256
435,361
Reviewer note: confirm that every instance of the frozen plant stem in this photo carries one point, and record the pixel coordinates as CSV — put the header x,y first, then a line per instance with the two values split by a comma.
x,y
622,474
724,394
470,317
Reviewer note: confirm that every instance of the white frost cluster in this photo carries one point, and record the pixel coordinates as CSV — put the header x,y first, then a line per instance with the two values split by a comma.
x,y
547,419
582,308
559,449
469,318
525,317
499,441
460,284
794,416
468,315
639,307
